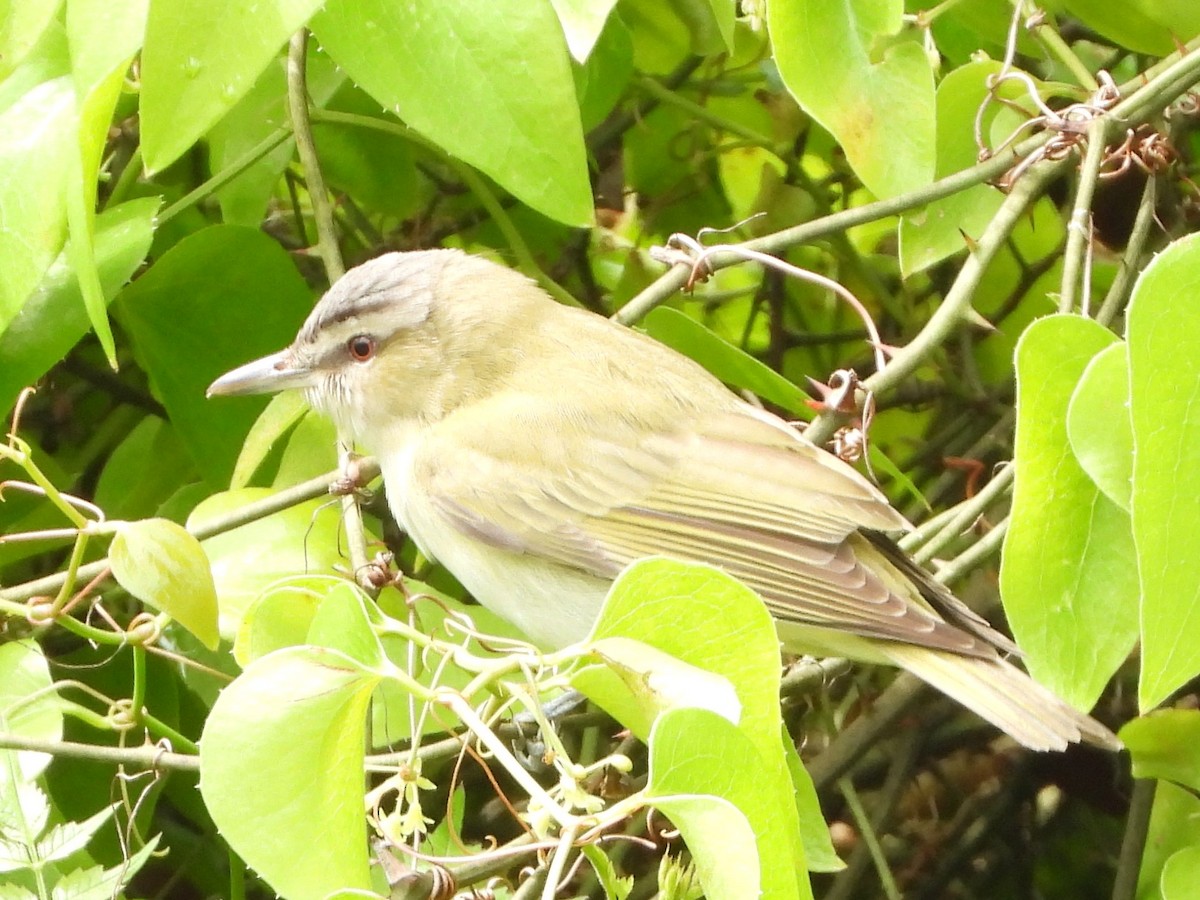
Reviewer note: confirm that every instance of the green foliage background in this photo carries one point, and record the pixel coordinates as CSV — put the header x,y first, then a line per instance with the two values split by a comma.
x,y
1006,189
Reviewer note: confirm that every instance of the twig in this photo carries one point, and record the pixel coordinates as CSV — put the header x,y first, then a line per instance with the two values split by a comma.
x,y
864,733
1137,824
1079,226
1122,284
138,757
251,512
327,241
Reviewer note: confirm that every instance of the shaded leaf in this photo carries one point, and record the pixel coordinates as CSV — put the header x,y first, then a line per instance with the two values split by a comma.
x,y
218,298
505,61
725,361
944,227
53,320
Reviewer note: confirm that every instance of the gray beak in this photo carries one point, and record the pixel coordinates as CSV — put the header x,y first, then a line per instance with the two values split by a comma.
x,y
263,376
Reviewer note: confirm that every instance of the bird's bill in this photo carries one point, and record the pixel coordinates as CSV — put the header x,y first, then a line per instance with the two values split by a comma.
x,y
268,375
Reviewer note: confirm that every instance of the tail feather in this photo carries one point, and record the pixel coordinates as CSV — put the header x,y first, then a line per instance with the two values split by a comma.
x,y
1005,696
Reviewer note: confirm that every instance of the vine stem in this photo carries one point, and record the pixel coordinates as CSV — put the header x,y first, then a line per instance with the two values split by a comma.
x,y
1079,226
143,757
251,512
1133,845
954,308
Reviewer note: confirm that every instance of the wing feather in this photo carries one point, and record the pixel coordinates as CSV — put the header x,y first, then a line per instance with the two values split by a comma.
x,y
737,489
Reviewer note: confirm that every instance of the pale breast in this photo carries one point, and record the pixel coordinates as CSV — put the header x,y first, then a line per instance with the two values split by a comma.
x,y
554,605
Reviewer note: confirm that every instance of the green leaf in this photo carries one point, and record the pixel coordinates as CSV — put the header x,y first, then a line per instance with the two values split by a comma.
x,y
252,558
614,886
127,487
98,883
70,837
24,24
103,36
651,682
937,231
37,151
1163,745
818,843
876,100
505,61
216,299
1124,24
1163,332
343,622
706,776
275,425
280,616
311,450
158,562
1181,874
28,708
1099,428
709,621
281,770
259,115
1180,17
1174,828
53,320
1068,575
200,58
732,365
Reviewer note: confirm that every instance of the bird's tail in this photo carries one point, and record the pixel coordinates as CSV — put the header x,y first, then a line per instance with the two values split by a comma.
x,y
1005,696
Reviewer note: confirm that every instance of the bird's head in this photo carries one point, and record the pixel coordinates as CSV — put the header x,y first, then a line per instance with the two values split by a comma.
x,y
403,338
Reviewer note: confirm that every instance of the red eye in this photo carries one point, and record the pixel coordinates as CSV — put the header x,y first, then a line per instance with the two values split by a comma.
x,y
361,347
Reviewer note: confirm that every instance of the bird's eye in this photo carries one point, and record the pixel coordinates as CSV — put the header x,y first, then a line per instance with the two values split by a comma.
x,y
361,347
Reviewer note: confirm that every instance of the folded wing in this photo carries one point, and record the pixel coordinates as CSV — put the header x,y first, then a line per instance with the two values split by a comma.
x,y
737,489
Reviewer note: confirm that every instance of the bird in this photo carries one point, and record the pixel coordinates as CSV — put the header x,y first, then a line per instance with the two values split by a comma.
x,y
536,450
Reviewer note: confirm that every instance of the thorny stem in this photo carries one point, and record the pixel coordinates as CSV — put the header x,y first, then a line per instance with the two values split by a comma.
x,y
966,514
1168,79
1057,47
952,312
1079,226
318,195
1118,291
335,268
134,757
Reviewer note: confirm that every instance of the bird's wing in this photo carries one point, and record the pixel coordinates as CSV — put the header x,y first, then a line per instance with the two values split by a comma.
x,y
737,489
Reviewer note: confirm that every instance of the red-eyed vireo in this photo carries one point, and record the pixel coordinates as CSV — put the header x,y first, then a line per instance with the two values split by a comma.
x,y
536,450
